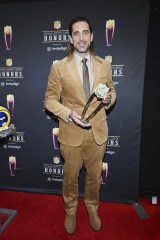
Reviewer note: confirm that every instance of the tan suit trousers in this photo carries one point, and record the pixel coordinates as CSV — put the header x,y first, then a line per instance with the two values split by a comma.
x,y
90,155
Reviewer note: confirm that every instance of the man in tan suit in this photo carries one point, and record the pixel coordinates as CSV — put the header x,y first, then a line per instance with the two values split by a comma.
x,y
81,143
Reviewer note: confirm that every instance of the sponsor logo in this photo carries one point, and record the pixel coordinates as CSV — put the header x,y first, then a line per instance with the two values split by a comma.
x,y
18,137
9,73
3,84
117,70
15,140
57,38
113,141
54,171
11,146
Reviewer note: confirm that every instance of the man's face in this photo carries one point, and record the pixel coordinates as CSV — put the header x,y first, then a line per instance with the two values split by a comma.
x,y
81,37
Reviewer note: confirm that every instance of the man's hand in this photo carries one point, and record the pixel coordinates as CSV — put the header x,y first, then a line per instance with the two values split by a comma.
x,y
77,119
107,98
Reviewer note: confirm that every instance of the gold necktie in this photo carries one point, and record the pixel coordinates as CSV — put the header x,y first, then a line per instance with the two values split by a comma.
x,y
86,84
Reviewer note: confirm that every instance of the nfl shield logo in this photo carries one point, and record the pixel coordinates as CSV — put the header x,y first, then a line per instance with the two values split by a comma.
x,y
9,62
56,160
109,58
57,24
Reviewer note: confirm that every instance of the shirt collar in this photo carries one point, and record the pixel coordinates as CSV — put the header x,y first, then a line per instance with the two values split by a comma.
x,y
78,58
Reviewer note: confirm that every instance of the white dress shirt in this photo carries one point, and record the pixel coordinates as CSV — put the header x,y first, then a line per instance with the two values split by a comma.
x,y
79,64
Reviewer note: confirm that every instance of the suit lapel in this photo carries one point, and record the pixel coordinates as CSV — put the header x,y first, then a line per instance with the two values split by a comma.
x,y
72,68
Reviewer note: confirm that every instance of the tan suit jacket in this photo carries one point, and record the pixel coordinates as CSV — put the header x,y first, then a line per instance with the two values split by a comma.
x,y
65,92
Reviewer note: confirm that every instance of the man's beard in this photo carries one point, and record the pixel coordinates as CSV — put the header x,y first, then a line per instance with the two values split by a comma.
x,y
81,49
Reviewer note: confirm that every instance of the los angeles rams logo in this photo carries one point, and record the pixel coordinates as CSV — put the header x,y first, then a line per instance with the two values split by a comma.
x,y
5,118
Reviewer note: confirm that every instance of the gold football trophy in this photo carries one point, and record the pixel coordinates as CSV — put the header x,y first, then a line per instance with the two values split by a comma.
x,y
100,93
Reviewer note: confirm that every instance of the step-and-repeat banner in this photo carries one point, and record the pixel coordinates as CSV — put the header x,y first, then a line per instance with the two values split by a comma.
x,y
32,36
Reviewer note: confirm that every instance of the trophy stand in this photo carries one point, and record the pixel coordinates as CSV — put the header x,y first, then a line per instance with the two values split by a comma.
x,y
99,92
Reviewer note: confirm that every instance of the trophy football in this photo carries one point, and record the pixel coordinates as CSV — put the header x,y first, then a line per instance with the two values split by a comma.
x,y
100,93
6,129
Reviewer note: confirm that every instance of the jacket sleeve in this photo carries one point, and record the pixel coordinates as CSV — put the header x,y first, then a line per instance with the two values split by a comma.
x,y
53,94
